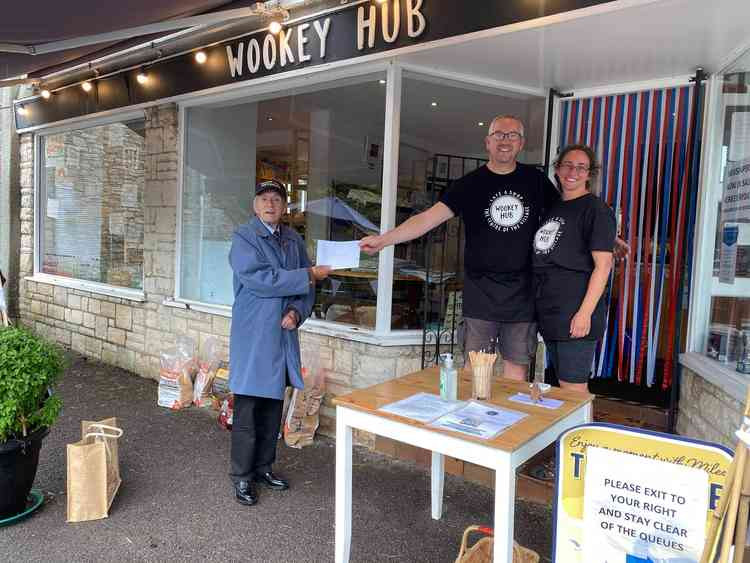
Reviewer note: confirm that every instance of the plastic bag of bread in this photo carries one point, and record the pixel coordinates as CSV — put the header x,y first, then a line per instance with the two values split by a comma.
x,y
178,366
207,366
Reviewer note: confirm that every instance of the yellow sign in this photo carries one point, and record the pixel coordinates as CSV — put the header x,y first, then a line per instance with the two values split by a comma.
x,y
665,449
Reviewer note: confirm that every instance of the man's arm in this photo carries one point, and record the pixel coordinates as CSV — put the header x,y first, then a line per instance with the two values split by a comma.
x,y
410,229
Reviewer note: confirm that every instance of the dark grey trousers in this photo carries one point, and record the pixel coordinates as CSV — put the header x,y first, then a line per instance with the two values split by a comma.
x,y
255,430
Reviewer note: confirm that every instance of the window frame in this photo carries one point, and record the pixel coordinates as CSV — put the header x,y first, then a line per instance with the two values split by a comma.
x,y
64,281
382,334
704,285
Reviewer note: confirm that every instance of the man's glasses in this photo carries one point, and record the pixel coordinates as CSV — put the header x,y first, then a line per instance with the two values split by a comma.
x,y
510,135
570,167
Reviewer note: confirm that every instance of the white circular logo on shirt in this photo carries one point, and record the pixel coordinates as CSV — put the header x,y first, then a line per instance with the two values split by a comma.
x,y
507,211
548,235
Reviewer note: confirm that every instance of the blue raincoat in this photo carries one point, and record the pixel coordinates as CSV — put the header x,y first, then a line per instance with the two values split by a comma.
x,y
270,278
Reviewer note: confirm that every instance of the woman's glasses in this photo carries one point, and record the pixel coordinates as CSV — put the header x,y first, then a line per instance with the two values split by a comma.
x,y
570,167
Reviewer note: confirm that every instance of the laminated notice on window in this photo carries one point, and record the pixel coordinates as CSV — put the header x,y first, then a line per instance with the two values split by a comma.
x,y
53,208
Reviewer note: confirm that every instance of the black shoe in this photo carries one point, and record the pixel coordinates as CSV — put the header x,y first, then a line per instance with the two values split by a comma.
x,y
245,493
272,481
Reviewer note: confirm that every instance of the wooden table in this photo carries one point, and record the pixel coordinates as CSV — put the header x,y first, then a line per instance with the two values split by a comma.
x,y
505,453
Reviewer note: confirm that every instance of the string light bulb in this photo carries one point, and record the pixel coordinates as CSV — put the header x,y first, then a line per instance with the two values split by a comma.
x,y
86,86
142,77
46,94
200,57
274,27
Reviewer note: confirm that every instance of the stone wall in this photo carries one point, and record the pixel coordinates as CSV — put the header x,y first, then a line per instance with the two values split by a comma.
x,y
706,412
353,365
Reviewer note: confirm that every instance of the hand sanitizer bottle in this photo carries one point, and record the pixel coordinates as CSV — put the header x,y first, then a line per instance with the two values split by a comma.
x,y
448,378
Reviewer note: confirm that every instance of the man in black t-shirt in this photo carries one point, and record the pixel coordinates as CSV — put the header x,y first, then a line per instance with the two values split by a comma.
x,y
501,204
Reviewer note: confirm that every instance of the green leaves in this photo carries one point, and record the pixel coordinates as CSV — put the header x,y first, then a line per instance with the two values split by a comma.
x,y
29,366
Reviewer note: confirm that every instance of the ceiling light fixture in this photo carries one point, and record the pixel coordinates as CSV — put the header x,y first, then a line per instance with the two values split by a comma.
x,y
142,77
46,94
86,86
269,118
381,81
481,123
274,27
200,57
433,104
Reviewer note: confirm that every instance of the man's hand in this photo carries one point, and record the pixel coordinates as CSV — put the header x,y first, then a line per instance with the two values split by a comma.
x,y
372,244
289,321
580,325
621,250
319,273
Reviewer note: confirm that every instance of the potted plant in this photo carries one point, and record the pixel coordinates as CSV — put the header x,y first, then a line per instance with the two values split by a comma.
x,y
29,367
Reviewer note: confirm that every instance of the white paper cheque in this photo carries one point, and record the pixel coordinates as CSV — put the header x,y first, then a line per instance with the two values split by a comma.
x,y
338,254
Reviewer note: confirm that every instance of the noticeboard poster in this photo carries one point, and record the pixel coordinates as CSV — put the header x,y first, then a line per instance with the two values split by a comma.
x,y
628,495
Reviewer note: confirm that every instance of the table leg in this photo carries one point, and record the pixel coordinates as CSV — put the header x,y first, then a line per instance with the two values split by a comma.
x,y
438,479
343,533
505,498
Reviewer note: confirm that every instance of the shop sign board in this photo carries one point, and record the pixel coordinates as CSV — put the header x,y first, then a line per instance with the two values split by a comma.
x,y
626,495
355,29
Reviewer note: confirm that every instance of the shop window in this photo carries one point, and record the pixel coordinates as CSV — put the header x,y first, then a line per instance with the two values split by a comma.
x,y
730,287
326,145
91,204
442,139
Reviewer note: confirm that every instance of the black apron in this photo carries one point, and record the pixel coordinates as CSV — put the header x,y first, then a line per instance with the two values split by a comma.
x,y
559,293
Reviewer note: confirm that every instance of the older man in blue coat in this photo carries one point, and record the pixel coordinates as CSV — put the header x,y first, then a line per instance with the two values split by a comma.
x,y
274,292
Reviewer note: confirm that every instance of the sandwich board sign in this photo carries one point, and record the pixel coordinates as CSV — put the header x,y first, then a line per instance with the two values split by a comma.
x,y
626,495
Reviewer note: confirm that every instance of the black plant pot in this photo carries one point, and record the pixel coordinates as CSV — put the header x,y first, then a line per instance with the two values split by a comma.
x,y
18,463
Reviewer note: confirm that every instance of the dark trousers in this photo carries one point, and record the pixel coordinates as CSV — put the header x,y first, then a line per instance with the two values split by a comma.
x,y
255,430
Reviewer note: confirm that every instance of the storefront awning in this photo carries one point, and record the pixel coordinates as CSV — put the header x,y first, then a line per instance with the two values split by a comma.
x,y
36,24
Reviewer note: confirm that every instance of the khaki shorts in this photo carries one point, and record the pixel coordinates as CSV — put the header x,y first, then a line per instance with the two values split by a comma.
x,y
516,342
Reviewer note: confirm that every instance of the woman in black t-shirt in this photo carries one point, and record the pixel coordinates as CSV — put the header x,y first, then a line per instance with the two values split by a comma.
x,y
572,263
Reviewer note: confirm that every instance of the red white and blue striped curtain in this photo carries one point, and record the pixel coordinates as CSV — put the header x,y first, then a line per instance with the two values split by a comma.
x,y
645,143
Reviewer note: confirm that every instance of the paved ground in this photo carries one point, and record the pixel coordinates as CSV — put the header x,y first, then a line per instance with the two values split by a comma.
x,y
176,502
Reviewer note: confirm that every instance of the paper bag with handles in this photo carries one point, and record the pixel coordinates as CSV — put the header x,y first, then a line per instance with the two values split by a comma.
x,y
93,470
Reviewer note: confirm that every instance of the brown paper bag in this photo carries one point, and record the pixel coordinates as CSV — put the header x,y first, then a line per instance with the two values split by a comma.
x,y
93,470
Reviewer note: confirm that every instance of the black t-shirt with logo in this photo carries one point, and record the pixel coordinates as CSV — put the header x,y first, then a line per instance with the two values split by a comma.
x,y
571,231
501,213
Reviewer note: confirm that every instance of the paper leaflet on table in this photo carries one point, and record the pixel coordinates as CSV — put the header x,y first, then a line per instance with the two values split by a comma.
x,y
525,399
479,420
338,255
423,407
